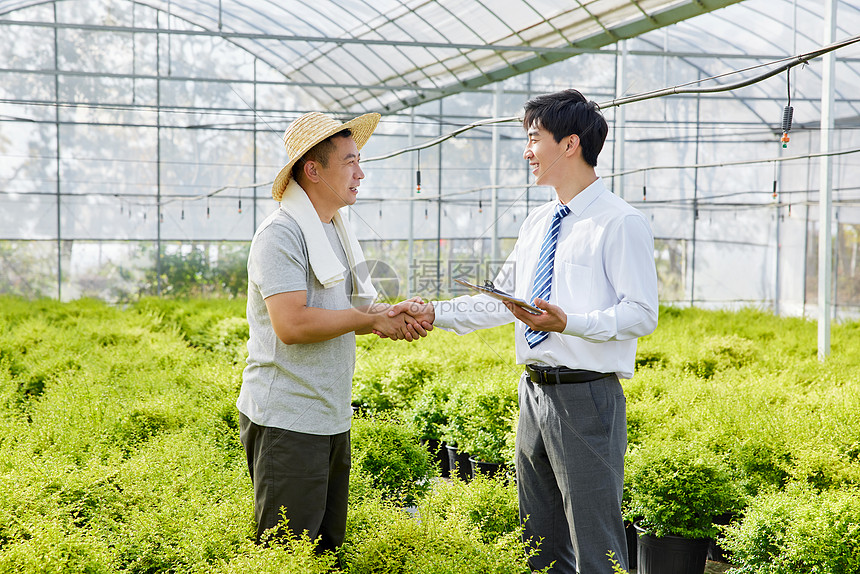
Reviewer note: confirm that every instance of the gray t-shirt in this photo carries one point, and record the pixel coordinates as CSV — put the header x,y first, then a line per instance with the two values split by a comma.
x,y
302,387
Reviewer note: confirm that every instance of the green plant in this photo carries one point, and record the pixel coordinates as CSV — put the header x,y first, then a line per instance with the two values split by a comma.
x,y
798,530
454,412
382,385
489,504
616,566
674,489
481,414
382,538
721,352
427,412
490,413
389,453
119,448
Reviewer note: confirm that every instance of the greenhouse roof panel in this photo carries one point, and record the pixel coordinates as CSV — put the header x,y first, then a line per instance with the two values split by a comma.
x,y
396,54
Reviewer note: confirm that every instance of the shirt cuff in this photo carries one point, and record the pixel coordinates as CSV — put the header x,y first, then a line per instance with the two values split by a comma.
x,y
439,319
576,324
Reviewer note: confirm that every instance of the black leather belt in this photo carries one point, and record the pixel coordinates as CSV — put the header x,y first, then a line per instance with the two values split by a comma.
x,y
562,375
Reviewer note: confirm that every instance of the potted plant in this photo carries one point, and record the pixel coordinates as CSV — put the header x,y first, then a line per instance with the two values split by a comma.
x,y
674,492
428,415
387,452
489,413
454,433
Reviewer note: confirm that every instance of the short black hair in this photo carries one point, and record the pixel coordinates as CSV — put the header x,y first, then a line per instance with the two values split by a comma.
x,y
568,112
320,152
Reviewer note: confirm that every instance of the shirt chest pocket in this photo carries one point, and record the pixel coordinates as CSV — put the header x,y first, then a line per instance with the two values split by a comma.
x,y
573,287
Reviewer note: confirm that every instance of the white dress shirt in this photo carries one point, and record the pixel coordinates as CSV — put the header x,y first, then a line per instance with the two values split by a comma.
x,y
604,279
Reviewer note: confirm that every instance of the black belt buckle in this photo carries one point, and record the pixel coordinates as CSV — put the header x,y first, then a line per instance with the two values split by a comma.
x,y
545,376
561,375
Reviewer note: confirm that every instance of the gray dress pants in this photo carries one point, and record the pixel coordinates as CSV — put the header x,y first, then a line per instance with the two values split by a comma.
x,y
571,441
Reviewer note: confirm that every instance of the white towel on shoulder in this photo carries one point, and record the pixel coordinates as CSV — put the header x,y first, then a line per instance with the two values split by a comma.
x,y
325,264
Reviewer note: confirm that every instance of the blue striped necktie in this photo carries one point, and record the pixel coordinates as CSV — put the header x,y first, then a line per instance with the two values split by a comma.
x,y
543,275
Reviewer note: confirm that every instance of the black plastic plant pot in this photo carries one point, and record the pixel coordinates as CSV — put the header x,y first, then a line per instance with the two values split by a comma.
x,y
437,450
460,461
670,554
486,468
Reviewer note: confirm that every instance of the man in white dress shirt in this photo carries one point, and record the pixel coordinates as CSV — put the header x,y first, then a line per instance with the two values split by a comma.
x,y
587,261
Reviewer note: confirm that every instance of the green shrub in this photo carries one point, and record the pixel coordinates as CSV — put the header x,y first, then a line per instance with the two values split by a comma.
x,y
288,556
798,530
210,324
488,504
55,548
454,411
719,353
382,385
427,412
119,447
674,489
489,411
384,539
649,358
389,453
481,414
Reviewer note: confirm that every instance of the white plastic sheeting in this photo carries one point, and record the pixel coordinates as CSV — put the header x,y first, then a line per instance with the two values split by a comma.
x,y
122,141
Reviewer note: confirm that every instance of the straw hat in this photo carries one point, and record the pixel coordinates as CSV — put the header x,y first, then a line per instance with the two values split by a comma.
x,y
309,130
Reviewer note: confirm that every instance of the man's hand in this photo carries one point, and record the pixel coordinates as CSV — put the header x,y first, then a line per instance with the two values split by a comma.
x,y
394,323
553,317
424,313
417,314
400,326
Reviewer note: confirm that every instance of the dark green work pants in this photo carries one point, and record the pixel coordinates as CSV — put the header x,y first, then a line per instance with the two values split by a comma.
x,y
306,475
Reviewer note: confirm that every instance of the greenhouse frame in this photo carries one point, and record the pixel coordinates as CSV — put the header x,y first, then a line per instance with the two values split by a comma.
x,y
139,139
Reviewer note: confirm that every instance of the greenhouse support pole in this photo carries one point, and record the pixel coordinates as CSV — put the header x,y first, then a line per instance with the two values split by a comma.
x,y
825,193
158,152
253,143
620,114
777,182
410,258
494,172
695,201
526,167
806,219
834,264
439,214
59,199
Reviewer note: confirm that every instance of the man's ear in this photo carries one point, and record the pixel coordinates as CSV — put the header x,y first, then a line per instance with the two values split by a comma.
x,y
310,170
572,143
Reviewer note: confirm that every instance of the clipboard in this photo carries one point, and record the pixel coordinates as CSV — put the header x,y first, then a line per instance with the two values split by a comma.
x,y
489,289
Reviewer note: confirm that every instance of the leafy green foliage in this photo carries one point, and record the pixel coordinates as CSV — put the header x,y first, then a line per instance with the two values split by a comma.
x,y
427,412
382,538
380,385
200,271
481,414
678,490
798,530
389,453
488,504
119,447
721,353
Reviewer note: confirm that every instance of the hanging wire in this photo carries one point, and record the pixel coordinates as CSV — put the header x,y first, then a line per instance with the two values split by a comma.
x,y
680,89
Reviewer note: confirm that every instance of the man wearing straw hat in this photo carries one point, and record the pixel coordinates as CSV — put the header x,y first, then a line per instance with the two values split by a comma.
x,y
585,261
306,303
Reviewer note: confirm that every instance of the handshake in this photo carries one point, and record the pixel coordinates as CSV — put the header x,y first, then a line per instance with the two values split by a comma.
x,y
408,320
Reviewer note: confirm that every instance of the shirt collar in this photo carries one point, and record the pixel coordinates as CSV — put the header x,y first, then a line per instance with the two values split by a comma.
x,y
586,197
